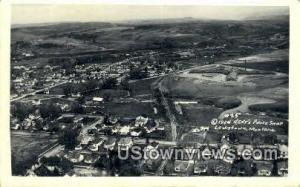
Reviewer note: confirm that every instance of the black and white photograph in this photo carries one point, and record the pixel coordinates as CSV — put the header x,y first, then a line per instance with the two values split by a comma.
x,y
109,90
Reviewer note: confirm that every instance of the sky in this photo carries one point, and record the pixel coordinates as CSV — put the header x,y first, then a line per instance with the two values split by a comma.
x,y
28,14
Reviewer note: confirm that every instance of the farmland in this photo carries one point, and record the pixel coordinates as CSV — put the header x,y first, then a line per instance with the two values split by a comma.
x,y
26,147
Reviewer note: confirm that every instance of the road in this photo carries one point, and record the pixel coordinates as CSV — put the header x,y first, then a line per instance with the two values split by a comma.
x,y
84,130
161,142
80,115
169,113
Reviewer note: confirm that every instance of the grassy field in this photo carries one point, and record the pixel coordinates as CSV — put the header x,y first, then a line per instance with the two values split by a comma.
x,y
26,147
132,109
108,92
199,115
196,86
260,94
281,66
141,87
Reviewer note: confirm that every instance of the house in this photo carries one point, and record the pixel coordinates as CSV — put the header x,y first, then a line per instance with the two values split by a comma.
x,y
201,167
36,101
151,126
42,171
283,151
244,167
27,123
112,120
263,168
92,131
98,99
91,158
86,140
124,130
110,143
282,139
183,166
222,168
149,148
94,146
136,132
16,126
282,168
74,157
141,121
78,147
125,143
116,129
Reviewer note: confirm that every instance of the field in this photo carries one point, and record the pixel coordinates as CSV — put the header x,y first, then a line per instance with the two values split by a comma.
x,y
108,93
26,147
131,110
211,81
260,94
277,61
142,87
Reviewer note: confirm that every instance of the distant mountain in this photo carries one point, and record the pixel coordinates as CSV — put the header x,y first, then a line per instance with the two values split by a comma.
x,y
159,21
152,21
273,17
32,25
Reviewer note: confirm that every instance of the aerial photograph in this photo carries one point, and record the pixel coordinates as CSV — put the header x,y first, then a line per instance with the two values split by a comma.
x,y
131,90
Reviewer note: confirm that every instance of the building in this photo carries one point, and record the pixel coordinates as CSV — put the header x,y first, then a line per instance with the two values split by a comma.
x,y
136,132
222,168
283,151
74,157
98,99
201,167
282,168
110,143
94,146
125,143
91,158
141,121
124,130
183,166
264,168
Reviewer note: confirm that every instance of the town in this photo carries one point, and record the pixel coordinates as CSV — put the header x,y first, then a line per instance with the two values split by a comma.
x,y
79,98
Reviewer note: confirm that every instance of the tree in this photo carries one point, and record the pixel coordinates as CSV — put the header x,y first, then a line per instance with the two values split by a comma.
x,y
130,169
93,84
110,83
81,100
69,138
60,162
68,89
125,84
103,162
77,108
138,73
50,110
21,110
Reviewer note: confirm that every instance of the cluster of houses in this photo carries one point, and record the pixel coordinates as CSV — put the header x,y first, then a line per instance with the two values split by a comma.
x,y
31,122
26,80
264,159
134,127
